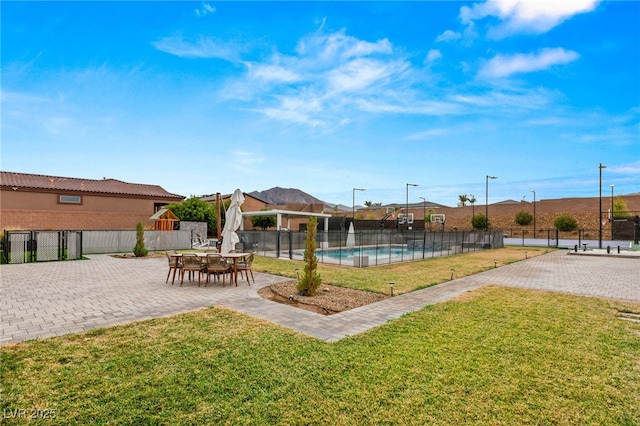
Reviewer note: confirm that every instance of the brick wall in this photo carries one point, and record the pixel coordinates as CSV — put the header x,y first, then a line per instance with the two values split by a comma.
x,y
55,220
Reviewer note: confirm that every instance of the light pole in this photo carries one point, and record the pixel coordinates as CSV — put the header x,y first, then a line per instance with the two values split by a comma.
x,y
424,211
534,212
406,212
612,186
600,216
353,203
486,206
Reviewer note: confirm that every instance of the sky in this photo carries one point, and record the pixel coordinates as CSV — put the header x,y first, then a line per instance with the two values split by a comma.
x,y
325,97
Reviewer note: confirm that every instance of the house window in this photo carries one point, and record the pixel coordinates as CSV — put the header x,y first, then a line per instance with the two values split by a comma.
x,y
69,199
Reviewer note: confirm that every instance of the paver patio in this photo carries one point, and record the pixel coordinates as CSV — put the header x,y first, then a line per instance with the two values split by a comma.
x,y
41,300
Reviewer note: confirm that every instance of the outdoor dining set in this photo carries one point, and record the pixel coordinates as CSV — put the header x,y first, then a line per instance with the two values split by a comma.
x,y
209,263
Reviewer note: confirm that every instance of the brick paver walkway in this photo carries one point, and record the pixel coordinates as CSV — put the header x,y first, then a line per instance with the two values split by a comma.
x,y
41,300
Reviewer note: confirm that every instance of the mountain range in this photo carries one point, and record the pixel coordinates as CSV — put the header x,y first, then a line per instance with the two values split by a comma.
x,y
279,195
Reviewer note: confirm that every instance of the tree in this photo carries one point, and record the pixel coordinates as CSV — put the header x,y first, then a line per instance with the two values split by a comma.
x,y
620,209
565,222
139,249
308,285
463,200
196,210
480,221
368,203
263,222
523,218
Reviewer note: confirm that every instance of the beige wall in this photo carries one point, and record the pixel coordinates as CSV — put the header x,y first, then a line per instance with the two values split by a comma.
x,y
502,216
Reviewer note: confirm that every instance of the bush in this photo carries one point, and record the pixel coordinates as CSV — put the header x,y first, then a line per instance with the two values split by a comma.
x,y
565,222
523,218
139,250
480,221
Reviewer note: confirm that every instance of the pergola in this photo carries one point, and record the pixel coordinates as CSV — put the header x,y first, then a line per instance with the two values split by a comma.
x,y
288,215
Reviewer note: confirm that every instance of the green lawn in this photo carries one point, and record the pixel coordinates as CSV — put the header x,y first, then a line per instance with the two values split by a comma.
x,y
407,276
499,356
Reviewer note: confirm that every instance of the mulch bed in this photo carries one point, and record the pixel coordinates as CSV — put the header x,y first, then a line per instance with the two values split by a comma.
x,y
329,300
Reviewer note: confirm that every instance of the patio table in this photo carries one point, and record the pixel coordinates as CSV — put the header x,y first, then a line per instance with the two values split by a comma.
x,y
233,256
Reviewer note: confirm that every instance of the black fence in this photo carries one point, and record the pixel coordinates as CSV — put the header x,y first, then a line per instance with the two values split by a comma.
x,y
368,248
41,246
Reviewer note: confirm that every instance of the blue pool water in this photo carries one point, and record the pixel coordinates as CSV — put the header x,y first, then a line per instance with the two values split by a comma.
x,y
373,252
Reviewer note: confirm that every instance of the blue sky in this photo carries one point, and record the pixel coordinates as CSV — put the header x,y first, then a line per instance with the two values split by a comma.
x,y
205,97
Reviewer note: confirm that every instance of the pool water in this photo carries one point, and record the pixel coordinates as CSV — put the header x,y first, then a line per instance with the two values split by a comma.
x,y
373,252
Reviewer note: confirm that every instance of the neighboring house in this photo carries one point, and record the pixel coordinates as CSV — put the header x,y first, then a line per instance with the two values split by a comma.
x,y
38,202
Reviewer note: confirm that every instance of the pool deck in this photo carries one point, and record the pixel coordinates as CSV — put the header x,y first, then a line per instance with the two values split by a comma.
x,y
41,300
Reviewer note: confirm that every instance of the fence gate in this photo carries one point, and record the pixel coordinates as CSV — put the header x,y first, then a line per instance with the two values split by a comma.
x,y
42,246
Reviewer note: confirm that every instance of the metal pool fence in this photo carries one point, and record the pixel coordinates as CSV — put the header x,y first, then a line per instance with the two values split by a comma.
x,y
369,248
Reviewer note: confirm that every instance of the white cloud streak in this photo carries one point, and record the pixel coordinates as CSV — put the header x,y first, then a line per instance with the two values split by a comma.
x,y
204,48
506,65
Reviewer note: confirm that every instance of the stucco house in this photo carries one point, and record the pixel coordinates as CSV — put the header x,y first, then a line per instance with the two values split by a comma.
x,y
40,202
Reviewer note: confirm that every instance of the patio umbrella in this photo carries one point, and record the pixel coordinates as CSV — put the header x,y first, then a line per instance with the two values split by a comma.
x,y
232,223
351,237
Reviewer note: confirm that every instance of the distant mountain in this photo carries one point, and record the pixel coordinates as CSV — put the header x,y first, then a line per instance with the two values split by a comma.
x,y
279,195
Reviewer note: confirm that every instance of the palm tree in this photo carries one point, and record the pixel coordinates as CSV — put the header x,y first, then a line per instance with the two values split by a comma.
x,y
472,199
463,200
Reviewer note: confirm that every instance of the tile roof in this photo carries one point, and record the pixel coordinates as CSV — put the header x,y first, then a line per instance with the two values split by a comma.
x,y
102,186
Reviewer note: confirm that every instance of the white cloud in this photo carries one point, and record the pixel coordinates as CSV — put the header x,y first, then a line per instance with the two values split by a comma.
x,y
526,16
203,48
433,55
631,168
362,72
205,9
272,73
448,36
337,47
507,65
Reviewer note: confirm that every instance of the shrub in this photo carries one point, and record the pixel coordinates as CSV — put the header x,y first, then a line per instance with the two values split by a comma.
x,y
308,285
139,250
480,221
523,218
565,222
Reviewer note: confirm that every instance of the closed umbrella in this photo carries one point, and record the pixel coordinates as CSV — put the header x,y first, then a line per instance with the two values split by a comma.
x,y
232,223
351,237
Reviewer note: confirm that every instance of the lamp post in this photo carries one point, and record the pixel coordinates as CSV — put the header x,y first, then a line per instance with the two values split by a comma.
x,y
600,216
486,206
406,212
424,211
612,186
534,212
353,203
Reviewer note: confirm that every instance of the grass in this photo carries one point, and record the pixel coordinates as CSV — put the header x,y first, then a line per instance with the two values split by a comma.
x,y
498,356
407,276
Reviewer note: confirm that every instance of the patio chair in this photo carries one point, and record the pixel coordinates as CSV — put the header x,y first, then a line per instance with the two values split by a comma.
x,y
245,266
216,265
191,263
175,265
